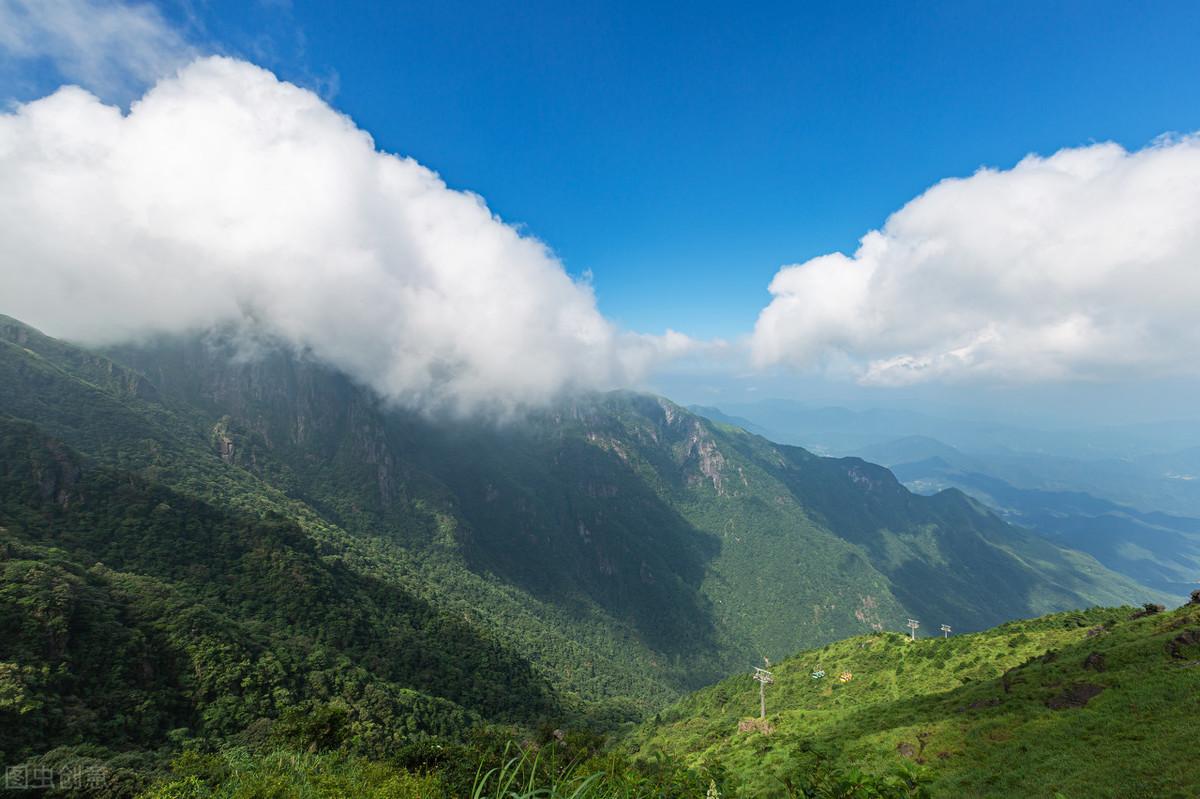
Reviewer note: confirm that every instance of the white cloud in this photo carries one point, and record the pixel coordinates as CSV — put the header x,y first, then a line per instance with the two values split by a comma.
x,y
228,197
113,49
1081,265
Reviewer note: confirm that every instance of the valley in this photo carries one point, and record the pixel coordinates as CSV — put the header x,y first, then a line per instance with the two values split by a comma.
x,y
215,521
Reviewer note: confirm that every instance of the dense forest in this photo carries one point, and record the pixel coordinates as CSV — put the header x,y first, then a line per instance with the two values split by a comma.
x,y
234,572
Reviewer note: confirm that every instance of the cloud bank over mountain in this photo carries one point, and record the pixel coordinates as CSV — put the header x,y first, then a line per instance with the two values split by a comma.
x,y
226,197
1081,265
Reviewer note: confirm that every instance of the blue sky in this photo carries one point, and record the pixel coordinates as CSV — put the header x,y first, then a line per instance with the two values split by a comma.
x,y
681,155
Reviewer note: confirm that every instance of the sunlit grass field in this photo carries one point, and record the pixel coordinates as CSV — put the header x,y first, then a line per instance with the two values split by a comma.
x,y
995,713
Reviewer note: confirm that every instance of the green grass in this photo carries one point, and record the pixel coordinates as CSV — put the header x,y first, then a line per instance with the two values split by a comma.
x,y
238,774
546,771
969,712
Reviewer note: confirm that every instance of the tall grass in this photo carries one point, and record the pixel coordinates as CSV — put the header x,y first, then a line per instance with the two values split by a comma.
x,y
528,773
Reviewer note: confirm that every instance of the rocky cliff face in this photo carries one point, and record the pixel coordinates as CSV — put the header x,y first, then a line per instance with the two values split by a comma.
x,y
44,463
279,406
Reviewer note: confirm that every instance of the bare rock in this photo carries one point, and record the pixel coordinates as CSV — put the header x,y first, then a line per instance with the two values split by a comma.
x,y
1077,695
57,473
1176,646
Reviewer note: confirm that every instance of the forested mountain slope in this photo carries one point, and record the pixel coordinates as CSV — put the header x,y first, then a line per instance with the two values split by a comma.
x,y
605,495
590,559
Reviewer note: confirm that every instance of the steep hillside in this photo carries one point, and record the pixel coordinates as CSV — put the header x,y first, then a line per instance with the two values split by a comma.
x,y
1080,704
703,539
116,419
130,610
616,547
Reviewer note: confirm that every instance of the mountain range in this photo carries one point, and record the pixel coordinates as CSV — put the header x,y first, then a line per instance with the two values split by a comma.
x,y
1126,495
202,535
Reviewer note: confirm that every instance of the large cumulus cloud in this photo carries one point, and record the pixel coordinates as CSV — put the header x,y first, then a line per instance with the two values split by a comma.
x,y
1081,265
227,198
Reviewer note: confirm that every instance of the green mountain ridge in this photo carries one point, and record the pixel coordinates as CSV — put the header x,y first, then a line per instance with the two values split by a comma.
x,y
591,445
283,540
1148,466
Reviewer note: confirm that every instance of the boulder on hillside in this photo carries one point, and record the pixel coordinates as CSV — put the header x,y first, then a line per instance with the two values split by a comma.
x,y
1176,646
1076,695
1148,609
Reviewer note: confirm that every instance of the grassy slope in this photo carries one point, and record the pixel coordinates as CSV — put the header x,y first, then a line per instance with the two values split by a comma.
x,y
976,703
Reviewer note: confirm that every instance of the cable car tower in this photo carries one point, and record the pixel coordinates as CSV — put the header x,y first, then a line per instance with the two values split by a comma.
x,y
764,679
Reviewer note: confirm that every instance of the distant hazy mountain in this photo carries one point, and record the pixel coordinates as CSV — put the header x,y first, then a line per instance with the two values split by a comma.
x,y
1152,467
1139,516
912,449
717,415
247,537
1157,549
844,431
1182,466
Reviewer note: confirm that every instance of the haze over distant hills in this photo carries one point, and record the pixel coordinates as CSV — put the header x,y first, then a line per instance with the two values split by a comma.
x,y
1128,495
837,430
